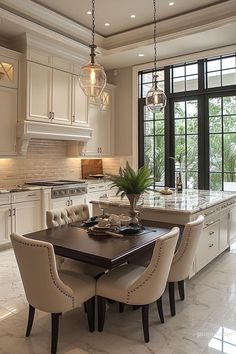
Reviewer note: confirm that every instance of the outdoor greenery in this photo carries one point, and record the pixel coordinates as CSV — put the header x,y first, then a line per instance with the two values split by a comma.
x,y
222,142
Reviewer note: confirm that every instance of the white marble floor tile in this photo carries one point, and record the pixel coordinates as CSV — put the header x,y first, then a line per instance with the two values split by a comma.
x,y
205,322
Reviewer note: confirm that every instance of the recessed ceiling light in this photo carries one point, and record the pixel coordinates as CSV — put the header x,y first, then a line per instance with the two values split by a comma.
x,y
89,13
140,55
107,24
133,16
171,3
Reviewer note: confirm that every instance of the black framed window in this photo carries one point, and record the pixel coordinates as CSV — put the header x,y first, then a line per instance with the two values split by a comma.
x,y
197,127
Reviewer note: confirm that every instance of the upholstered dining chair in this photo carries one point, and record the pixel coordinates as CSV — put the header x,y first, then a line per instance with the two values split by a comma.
x,y
183,259
136,285
59,217
48,290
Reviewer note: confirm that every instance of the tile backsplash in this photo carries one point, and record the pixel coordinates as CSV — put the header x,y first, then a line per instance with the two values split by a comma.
x,y
46,159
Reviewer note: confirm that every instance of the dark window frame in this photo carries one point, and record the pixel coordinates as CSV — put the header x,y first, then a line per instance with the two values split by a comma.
x,y
202,95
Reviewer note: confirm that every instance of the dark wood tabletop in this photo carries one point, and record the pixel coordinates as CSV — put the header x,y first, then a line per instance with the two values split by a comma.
x,y
105,251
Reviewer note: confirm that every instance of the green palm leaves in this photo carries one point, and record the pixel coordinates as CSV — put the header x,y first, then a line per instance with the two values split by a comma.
x,y
131,182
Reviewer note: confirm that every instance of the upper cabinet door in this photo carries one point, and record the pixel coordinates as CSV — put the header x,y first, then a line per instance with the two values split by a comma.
x,y
8,114
39,95
61,97
79,104
93,146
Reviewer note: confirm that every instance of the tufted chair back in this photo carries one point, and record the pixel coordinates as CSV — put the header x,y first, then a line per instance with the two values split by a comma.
x,y
183,259
43,287
151,284
59,217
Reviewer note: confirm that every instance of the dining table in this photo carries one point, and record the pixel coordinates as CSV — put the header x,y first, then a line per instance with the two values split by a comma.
x,y
75,242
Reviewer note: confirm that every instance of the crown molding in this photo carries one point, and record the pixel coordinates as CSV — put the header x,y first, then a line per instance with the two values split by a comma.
x,y
50,19
206,18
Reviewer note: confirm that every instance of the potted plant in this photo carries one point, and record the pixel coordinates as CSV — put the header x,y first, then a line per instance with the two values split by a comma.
x,y
132,184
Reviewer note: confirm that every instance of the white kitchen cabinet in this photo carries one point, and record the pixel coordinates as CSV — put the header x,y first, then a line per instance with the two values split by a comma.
x,y
61,97
232,225
39,92
8,114
79,104
49,96
78,199
101,120
224,230
5,222
26,217
208,247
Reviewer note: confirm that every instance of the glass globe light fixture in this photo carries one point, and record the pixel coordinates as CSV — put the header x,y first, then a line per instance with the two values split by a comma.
x,y
92,77
155,98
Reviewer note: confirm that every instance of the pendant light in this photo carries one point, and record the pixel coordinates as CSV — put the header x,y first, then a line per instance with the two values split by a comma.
x,y
92,78
155,98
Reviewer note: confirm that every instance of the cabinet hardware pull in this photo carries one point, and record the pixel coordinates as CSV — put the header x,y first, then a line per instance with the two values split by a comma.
x,y
68,203
31,195
9,212
210,212
211,245
211,233
52,115
210,223
71,202
14,212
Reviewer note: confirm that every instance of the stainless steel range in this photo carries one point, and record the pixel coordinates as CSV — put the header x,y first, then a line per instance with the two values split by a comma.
x,y
63,188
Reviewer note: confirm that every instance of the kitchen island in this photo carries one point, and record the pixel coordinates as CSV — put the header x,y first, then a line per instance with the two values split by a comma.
x,y
218,208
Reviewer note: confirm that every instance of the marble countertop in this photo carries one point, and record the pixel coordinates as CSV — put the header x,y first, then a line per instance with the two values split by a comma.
x,y
189,201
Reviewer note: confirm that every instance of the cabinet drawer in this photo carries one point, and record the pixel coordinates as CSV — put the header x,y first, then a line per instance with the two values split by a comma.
x,y
5,198
20,197
208,246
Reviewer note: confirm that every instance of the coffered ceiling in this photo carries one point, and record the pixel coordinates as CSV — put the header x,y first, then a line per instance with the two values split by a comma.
x,y
117,12
187,28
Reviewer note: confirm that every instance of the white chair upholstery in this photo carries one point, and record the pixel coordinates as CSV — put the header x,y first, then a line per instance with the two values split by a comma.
x,y
47,290
183,258
59,217
136,285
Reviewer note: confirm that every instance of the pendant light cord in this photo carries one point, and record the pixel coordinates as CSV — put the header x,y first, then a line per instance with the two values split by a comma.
x,y
155,35
93,22
93,46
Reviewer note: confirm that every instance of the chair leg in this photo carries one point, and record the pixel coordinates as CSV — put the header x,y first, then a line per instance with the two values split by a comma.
x,y
121,307
172,298
160,309
30,320
55,328
101,312
135,307
181,289
90,306
145,312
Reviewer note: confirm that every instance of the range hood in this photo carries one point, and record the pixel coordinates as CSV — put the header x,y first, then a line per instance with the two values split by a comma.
x,y
27,130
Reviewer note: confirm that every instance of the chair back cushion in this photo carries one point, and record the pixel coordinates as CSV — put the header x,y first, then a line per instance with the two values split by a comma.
x,y
59,217
151,284
43,288
183,259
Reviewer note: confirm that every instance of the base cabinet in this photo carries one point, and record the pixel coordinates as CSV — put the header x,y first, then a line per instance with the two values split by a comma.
x,y
5,222
26,217
208,245
232,225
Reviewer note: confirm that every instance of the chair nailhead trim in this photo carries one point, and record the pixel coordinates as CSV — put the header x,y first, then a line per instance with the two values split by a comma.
x,y
62,291
148,278
179,256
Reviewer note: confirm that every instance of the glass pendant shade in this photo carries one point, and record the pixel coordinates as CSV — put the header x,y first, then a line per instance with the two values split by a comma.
x,y
155,99
92,79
